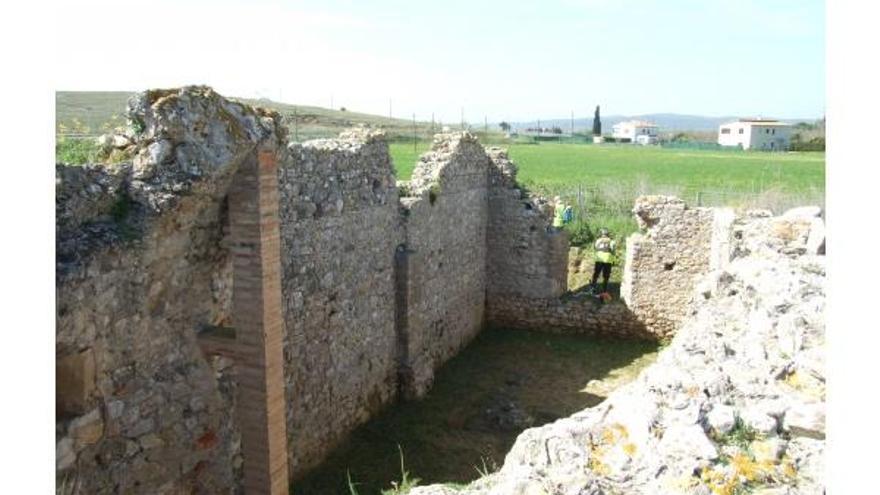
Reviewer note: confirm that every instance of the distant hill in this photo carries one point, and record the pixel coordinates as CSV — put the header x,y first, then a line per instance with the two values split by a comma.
x,y
666,121
91,113
98,110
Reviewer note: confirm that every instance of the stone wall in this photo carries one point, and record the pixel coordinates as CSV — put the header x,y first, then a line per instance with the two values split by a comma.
x,y
339,211
444,231
142,266
527,257
573,313
664,261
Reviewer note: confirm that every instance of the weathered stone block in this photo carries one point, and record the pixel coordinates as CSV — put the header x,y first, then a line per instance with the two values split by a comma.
x,y
74,382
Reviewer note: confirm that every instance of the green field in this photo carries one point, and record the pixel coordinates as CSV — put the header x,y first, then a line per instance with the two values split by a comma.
x,y
559,166
602,181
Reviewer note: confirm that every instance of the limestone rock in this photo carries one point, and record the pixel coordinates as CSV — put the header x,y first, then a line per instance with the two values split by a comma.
x,y
806,420
87,429
65,457
687,442
721,418
759,421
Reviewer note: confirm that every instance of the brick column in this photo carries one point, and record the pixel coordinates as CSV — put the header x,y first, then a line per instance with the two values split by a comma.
x,y
261,407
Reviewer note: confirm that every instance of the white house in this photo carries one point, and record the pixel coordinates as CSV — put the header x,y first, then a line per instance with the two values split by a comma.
x,y
636,131
758,134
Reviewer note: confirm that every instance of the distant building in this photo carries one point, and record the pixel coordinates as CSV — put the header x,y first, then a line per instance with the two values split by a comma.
x,y
757,134
635,131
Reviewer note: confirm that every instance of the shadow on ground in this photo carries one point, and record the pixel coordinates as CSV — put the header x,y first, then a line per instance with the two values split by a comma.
x,y
504,382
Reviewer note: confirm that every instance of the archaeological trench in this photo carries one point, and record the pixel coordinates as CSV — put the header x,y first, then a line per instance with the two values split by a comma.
x,y
231,305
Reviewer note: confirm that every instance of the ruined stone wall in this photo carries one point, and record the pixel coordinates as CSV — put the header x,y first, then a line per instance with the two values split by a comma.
x,y
142,266
527,257
663,263
376,292
339,211
444,225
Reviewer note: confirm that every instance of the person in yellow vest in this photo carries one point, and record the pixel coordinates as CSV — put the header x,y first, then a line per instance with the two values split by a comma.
x,y
562,213
605,248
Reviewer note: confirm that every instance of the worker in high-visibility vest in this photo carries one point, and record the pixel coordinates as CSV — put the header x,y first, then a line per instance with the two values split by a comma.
x,y
605,248
562,213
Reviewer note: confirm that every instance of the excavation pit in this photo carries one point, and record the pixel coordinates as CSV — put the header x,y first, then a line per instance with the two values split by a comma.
x,y
504,382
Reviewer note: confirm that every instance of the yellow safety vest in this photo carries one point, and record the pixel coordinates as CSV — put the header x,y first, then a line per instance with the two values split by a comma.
x,y
558,214
604,247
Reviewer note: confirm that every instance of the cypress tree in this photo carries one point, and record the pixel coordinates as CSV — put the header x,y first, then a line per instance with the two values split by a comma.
x,y
597,123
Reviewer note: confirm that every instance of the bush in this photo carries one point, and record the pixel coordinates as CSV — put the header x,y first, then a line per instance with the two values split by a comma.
x,y
580,234
814,144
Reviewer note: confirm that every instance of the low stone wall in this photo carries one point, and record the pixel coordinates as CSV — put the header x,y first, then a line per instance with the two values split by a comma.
x,y
339,211
573,313
444,231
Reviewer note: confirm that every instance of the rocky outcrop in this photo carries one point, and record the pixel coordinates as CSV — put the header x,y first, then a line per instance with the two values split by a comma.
x,y
735,402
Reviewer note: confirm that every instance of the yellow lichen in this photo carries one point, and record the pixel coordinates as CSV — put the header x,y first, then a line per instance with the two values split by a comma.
x,y
608,437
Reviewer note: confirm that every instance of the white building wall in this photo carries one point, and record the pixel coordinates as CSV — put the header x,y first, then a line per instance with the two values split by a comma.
x,y
770,138
631,131
740,135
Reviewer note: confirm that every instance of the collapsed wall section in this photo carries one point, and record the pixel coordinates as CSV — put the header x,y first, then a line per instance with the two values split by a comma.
x,y
338,213
444,224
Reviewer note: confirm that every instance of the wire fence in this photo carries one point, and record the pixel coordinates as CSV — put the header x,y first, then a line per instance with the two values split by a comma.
x,y
618,199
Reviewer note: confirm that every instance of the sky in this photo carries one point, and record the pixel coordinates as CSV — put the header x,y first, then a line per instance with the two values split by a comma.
x,y
494,60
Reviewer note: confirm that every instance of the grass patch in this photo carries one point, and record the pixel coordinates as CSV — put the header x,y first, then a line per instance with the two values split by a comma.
x,y
741,436
75,151
447,437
